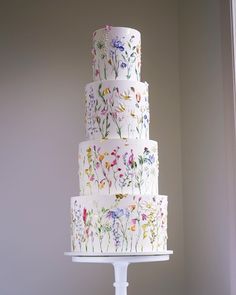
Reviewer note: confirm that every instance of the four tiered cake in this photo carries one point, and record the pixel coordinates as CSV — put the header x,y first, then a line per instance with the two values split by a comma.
x,y
119,209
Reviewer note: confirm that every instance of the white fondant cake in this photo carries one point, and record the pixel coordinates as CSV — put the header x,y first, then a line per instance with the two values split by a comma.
x,y
118,166
119,223
119,209
117,109
116,54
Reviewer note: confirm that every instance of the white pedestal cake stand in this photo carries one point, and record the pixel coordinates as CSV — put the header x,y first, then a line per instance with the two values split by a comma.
x,y
120,264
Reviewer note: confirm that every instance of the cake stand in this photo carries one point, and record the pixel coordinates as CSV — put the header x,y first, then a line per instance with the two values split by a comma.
x,y
120,264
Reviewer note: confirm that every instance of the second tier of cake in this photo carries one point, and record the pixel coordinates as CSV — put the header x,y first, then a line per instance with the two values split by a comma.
x,y
117,109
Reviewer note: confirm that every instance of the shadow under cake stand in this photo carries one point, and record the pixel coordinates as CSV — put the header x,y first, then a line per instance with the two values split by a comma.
x,y
120,264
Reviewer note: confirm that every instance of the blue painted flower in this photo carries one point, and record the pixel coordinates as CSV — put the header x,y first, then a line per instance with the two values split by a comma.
x,y
127,213
115,214
119,212
123,65
151,159
117,44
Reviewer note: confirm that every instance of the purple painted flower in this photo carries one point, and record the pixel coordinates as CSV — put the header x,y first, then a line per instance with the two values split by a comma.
x,y
111,214
123,65
131,158
144,216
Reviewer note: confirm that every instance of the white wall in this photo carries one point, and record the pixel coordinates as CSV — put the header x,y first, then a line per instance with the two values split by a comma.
x,y
205,146
45,64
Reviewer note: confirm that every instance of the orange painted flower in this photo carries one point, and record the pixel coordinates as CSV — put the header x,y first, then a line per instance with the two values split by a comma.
x,y
101,184
138,97
101,157
133,227
132,207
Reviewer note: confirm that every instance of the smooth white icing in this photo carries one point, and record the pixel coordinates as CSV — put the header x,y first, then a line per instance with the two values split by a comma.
x,y
119,224
117,109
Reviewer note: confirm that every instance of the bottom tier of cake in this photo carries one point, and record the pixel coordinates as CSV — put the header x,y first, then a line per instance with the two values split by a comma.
x,y
118,224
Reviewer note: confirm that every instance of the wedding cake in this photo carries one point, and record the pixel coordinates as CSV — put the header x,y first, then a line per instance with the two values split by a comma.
x,y
119,209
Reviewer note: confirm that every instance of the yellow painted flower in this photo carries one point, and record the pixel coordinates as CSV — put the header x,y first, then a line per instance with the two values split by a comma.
x,y
108,165
89,151
144,226
106,91
120,108
120,196
132,113
125,95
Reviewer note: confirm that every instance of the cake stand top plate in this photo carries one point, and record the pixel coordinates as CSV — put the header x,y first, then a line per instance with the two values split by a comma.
x,y
125,257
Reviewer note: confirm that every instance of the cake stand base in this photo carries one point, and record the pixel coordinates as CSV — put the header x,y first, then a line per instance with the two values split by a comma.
x,y
120,264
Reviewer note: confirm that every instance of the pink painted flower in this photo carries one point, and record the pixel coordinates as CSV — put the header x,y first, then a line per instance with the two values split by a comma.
x,y
114,115
91,178
131,158
114,162
96,72
85,214
108,27
103,111
113,153
121,175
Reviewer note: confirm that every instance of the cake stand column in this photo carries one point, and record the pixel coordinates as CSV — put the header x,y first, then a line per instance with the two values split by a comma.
x,y
121,284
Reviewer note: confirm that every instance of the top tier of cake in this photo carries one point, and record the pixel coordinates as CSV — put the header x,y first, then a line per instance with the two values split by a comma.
x,y
116,54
